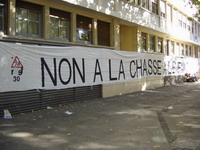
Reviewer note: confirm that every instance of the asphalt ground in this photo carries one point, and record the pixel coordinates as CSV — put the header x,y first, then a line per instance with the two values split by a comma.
x,y
166,118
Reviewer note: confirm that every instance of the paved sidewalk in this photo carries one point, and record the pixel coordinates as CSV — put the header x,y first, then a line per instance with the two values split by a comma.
x,y
167,118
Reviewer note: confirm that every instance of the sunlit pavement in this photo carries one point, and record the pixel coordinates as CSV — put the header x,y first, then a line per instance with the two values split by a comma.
x,y
167,118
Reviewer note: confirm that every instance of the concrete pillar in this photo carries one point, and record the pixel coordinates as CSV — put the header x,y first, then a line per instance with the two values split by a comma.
x,y
163,45
11,17
94,32
156,44
46,22
73,27
115,34
139,40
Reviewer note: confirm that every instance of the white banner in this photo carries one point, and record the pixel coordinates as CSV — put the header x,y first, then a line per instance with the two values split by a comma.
x,y
25,67
180,65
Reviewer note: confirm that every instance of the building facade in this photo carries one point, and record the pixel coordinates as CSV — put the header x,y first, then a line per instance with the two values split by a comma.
x,y
157,27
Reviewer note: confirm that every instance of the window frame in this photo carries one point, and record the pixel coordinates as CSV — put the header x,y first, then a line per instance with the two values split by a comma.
x,y
172,47
145,4
144,41
162,9
86,31
154,6
160,45
60,16
2,16
152,43
107,34
182,49
28,20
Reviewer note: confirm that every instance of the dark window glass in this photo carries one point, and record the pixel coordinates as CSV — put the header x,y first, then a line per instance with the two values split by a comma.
x,y
160,45
84,30
28,22
152,43
2,11
60,25
144,41
103,29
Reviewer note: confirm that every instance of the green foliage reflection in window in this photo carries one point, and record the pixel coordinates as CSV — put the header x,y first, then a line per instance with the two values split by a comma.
x,y
59,27
27,22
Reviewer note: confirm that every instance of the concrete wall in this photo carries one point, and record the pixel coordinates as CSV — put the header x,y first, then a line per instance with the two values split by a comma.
x,y
121,88
128,38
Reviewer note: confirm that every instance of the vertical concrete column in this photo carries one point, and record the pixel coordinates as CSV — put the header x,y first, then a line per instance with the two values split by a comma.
x,y
116,5
159,11
94,31
139,40
193,51
115,34
169,47
46,22
163,45
156,44
150,6
73,27
175,49
11,17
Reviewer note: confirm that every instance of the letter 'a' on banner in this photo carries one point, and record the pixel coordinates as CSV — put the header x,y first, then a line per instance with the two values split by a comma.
x,y
16,63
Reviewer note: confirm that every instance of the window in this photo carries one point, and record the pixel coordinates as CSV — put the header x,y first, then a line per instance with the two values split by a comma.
x,y
186,50
184,22
28,22
166,47
169,12
152,43
180,19
60,25
145,4
198,30
182,49
84,30
135,2
2,10
103,29
143,41
155,6
172,47
188,25
190,51
162,9
160,45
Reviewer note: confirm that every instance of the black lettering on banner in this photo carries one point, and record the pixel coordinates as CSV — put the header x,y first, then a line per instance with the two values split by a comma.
x,y
132,75
145,67
110,71
155,67
179,65
97,67
173,67
150,67
121,70
76,67
169,69
139,67
53,78
60,71
159,67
